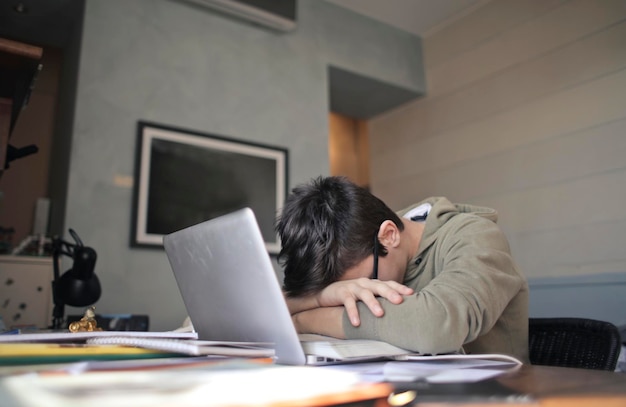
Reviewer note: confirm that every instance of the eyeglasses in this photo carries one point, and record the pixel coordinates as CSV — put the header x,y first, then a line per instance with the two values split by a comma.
x,y
375,272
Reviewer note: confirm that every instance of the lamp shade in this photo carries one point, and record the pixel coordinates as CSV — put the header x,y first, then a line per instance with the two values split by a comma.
x,y
79,286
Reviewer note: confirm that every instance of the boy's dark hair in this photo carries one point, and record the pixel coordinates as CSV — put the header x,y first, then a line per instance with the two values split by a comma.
x,y
326,227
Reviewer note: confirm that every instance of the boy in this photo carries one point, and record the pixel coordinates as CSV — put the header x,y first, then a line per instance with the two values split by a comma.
x,y
433,278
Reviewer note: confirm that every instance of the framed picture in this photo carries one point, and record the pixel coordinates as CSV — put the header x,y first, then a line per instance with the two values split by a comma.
x,y
185,177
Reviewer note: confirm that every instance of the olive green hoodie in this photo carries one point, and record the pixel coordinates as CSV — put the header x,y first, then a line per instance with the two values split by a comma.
x,y
468,291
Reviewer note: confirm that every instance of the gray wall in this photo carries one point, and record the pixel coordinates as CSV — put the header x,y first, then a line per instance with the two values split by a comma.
x,y
166,62
525,113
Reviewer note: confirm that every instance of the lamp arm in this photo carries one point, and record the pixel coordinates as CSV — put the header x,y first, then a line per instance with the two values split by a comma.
x,y
76,238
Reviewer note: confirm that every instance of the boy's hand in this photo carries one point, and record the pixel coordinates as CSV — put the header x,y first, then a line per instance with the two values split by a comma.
x,y
349,292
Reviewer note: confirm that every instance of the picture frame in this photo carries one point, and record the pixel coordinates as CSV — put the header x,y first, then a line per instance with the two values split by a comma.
x,y
184,177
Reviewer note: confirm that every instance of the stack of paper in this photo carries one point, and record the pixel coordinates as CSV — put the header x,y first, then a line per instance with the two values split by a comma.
x,y
107,345
36,353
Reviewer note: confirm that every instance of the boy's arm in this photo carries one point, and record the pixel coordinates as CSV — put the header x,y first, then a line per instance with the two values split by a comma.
x,y
322,321
346,294
477,281
299,304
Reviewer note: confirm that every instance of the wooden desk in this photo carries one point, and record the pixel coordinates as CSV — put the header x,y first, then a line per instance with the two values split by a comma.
x,y
548,387
557,387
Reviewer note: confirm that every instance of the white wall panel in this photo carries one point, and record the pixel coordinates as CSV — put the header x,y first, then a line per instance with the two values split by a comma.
x,y
571,22
549,162
583,106
525,112
476,28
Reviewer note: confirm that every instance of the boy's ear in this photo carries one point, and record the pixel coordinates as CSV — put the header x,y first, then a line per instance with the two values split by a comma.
x,y
389,234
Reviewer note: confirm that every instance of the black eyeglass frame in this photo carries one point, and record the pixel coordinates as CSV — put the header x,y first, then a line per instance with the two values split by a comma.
x,y
375,271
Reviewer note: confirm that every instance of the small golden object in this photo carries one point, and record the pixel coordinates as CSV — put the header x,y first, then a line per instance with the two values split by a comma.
x,y
87,323
402,398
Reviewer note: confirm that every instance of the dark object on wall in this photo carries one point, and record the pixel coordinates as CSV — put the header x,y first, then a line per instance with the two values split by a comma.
x,y
13,153
79,286
275,14
186,177
19,67
573,342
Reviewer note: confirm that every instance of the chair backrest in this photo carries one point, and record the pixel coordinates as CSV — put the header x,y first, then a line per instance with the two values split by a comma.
x,y
573,342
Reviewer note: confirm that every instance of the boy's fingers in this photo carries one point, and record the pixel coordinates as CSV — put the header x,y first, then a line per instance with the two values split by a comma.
x,y
353,312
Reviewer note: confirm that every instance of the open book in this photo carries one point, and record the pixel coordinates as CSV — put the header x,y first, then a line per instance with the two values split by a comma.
x,y
333,348
339,349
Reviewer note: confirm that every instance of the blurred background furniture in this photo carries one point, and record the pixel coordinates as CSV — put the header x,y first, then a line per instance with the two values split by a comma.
x,y
25,291
573,342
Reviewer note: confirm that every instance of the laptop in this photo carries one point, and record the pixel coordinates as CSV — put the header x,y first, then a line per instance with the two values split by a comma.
x,y
231,291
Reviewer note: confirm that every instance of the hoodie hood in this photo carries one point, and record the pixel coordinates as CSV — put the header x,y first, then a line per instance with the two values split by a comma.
x,y
442,210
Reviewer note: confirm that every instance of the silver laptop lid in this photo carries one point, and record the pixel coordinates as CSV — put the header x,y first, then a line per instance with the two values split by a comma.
x,y
229,286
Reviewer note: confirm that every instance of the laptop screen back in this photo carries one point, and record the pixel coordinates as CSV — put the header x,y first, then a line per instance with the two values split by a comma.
x,y
229,286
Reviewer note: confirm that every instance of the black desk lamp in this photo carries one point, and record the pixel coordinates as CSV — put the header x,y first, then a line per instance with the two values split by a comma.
x,y
78,286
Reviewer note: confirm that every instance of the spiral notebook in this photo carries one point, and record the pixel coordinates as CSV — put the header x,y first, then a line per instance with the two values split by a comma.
x,y
83,336
191,347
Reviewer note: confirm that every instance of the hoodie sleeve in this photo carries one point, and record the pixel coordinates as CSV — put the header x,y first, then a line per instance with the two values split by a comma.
x,y
475,281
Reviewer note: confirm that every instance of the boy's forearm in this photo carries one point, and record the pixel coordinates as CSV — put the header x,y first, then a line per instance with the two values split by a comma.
x,y
300,304
323,321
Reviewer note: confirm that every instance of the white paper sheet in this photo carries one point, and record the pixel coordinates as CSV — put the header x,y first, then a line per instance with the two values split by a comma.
x,y
435,370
